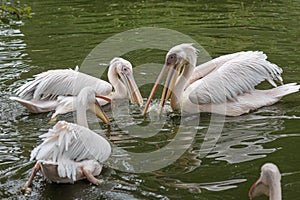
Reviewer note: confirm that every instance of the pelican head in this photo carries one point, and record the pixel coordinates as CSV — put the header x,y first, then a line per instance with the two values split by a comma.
x,y
268,183
177,59
184,53
123,68
86,99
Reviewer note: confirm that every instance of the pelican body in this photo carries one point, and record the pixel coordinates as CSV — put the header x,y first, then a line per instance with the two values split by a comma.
x,y
225,85
268,183
71,152
57,89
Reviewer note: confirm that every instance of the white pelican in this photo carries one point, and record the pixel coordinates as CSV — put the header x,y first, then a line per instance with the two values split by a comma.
x,y
268,183
57,89
72,152
224,85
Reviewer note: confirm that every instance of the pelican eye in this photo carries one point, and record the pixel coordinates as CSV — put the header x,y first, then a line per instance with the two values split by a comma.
x,y
171,59
125,70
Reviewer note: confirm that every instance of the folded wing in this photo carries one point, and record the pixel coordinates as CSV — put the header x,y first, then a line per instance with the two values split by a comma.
x,y
68,143
226,77
66,82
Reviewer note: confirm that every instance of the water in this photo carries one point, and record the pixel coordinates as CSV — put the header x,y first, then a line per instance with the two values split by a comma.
x,y
62,33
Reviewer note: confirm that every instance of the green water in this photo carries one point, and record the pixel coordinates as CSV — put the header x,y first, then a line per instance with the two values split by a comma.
x,y
61,34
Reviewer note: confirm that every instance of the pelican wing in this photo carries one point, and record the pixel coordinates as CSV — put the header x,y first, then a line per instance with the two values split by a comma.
x,y
67,82
229,76
36,106
68,141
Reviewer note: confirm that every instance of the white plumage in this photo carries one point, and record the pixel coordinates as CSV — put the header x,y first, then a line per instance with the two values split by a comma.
x,y
71,152
268,183
62,82
68,143
225,85
233,75
57,89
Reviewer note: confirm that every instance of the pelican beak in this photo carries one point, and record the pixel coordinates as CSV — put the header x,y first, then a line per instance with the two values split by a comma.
x,y
132,88
174,71
99,111
257,189
109,100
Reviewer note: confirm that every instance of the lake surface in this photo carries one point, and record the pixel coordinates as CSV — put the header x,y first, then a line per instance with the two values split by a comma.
x,y
61,34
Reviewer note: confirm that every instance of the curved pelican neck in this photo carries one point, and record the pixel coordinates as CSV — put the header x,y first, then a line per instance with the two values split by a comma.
x,y
275,191
81,114
118,85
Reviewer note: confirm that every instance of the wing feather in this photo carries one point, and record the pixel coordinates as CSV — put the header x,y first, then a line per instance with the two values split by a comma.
x,y
67,82
67,141
232,76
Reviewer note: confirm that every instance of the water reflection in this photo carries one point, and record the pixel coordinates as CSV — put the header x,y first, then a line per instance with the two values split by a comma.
x,y
71,29
243,138
13,152
196,187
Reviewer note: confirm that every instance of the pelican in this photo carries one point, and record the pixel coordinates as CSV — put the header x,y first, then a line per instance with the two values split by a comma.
x,y
268,183
71,152
225,85
57,89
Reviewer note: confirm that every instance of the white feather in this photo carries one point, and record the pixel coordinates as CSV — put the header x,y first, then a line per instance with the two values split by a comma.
x,y
54,89
37,106
225,85
67,143
230,76
53,83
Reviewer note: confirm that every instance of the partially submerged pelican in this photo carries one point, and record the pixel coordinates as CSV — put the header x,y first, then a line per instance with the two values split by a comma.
x,y
71,152
57,89
268,183
225,85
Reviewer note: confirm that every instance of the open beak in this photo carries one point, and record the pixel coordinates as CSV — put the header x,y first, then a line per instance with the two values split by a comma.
x,y
174,71
99,111
132,88
257,189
